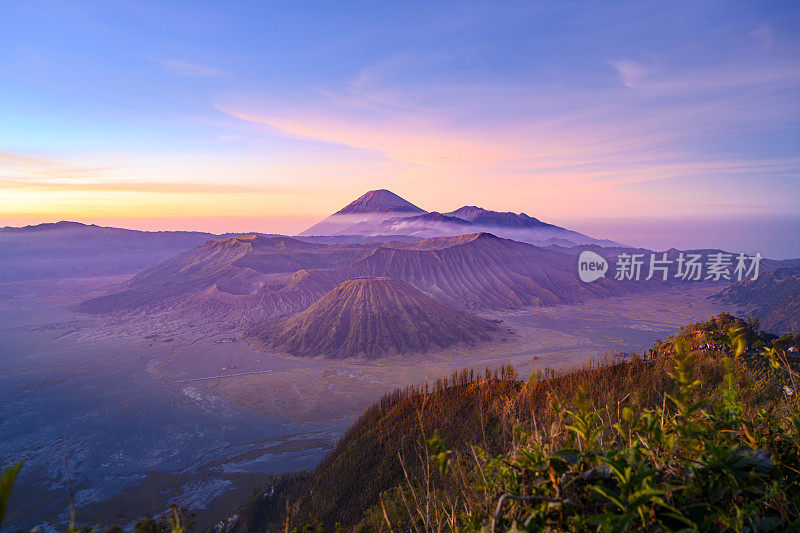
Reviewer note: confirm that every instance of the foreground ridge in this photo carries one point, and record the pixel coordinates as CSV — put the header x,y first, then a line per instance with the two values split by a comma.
x,y
569,450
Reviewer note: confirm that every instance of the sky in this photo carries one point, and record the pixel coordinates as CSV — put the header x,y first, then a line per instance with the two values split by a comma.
x,y
647,122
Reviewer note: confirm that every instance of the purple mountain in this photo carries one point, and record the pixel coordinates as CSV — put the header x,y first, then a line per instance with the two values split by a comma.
x,y
383,213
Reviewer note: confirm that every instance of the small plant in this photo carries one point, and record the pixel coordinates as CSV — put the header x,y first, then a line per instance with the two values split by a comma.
x,y
696,464
704,460
7,477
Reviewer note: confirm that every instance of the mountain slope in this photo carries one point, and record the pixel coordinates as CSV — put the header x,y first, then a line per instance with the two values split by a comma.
x,y
379,201
773,298
365,461
483,271
249,278
373,317
240,275
361,216
431,224
191,270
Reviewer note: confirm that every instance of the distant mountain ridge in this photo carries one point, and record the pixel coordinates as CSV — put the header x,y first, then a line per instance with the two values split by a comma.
x,y
381,212
773,298
253,277
46,226
71,249
478,215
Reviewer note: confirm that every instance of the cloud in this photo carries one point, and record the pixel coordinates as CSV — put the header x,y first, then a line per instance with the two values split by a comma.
x,y
366,91
190,70
24,166
398,139
763,35
630,72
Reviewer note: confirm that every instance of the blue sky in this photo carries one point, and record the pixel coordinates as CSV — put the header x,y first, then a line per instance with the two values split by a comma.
x,y
265,116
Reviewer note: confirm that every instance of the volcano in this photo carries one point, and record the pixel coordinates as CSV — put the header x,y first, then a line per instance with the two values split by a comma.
x,y
373,317
365,214
379,201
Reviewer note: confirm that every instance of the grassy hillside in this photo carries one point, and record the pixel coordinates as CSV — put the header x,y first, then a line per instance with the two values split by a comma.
x,y
553,441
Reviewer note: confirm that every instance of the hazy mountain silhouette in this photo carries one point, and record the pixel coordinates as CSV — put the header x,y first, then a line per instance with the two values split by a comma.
x,y
478,215
71,249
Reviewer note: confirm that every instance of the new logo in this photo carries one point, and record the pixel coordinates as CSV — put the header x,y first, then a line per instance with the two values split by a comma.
x,y
591,266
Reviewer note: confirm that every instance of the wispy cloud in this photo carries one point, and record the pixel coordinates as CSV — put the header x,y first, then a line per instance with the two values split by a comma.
x,y
630,72
25,166
763,35
408,141
190,70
